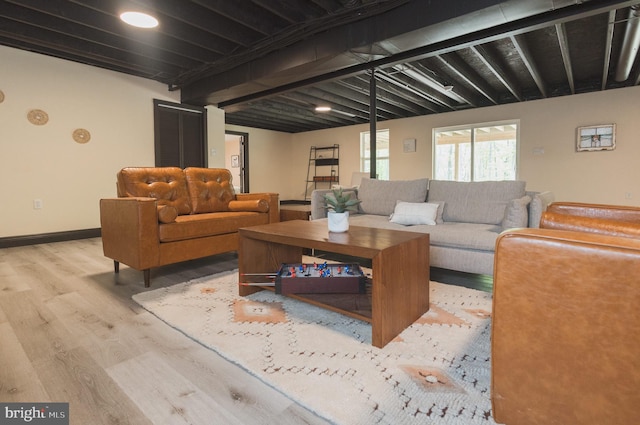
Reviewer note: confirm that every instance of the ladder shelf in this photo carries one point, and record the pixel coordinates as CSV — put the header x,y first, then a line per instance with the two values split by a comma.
x,y
323,169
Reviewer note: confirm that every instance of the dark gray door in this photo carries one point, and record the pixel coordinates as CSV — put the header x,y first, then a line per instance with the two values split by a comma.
x,y
180,135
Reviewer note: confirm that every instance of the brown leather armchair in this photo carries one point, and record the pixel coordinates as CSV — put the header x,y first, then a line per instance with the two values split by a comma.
x,y
566,319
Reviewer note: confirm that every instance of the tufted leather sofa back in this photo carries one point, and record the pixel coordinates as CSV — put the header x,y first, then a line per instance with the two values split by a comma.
x,y
166,184
210,189
190,191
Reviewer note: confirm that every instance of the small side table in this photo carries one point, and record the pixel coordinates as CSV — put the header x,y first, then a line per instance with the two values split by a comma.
x,y
295,212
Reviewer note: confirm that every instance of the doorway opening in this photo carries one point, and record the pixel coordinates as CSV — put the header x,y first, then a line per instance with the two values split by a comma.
x,y
236,159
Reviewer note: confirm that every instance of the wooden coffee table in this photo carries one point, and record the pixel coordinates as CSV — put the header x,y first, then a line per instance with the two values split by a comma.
x,y
400,267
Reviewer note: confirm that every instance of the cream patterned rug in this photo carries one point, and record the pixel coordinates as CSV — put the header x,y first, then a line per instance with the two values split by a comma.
x,y
436,372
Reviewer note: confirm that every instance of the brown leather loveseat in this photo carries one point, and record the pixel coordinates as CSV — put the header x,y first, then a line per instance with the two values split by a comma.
x,y
565,344
165,215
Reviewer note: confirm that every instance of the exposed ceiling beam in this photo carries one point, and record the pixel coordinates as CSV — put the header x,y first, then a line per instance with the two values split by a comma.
x,y
315,96
332,63
361,94
468,74
391,94
491,62
566,56
418,86
417,95
310,102
421,74
192,92
523,50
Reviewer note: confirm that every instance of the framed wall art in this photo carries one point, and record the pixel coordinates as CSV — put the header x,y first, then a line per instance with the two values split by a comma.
x,y
235,161
596,138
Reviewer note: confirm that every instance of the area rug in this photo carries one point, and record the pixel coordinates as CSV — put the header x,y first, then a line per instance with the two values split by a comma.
x,y
437,371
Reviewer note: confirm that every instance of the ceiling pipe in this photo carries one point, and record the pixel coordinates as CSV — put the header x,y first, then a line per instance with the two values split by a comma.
x,y
630,44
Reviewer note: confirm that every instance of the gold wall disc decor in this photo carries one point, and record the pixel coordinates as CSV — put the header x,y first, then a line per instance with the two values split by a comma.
x,y
37,117
1,96
81,135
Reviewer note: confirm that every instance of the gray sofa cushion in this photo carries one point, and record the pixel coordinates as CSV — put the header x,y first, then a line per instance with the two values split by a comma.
x,y
472,236
475,202
380,196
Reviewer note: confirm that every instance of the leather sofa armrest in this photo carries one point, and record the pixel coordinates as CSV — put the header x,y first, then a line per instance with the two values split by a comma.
x,y
130,231
253,205
563,328
590,224
609,212
273,199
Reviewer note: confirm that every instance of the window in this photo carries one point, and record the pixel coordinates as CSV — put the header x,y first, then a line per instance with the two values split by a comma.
x,y
476,153
382,153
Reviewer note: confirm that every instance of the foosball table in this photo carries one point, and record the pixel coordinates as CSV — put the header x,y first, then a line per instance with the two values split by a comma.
x,y
314,278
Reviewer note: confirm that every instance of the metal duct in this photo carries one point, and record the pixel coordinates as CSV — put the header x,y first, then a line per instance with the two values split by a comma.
x,y
630,44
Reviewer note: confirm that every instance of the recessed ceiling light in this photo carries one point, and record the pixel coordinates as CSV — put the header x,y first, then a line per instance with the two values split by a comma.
x,y
323,108
139,19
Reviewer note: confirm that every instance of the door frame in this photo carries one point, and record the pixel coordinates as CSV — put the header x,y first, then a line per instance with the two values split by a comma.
x,y
244,158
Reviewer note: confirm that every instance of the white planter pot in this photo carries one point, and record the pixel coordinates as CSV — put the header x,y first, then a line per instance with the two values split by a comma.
x,y
338,222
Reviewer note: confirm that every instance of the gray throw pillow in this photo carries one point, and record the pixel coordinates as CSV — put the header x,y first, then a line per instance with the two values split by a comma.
x,y
379,197
539,205
516,214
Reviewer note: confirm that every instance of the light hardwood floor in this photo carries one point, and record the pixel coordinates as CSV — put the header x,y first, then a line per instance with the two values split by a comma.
x,y
69,332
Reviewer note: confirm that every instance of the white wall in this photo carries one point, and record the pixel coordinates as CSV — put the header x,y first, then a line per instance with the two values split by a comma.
x,y
44,162
598,177
215,137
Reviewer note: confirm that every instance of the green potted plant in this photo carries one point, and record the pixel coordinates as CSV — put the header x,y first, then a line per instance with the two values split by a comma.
x,y
339,203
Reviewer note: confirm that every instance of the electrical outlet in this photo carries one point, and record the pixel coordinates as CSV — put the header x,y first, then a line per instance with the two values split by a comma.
x,y
37,204
627,195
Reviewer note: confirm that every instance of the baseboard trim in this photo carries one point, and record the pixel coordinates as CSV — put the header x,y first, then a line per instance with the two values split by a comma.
x,y
70,235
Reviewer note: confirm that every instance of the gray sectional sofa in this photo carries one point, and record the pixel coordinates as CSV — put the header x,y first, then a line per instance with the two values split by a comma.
x,y
463,219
